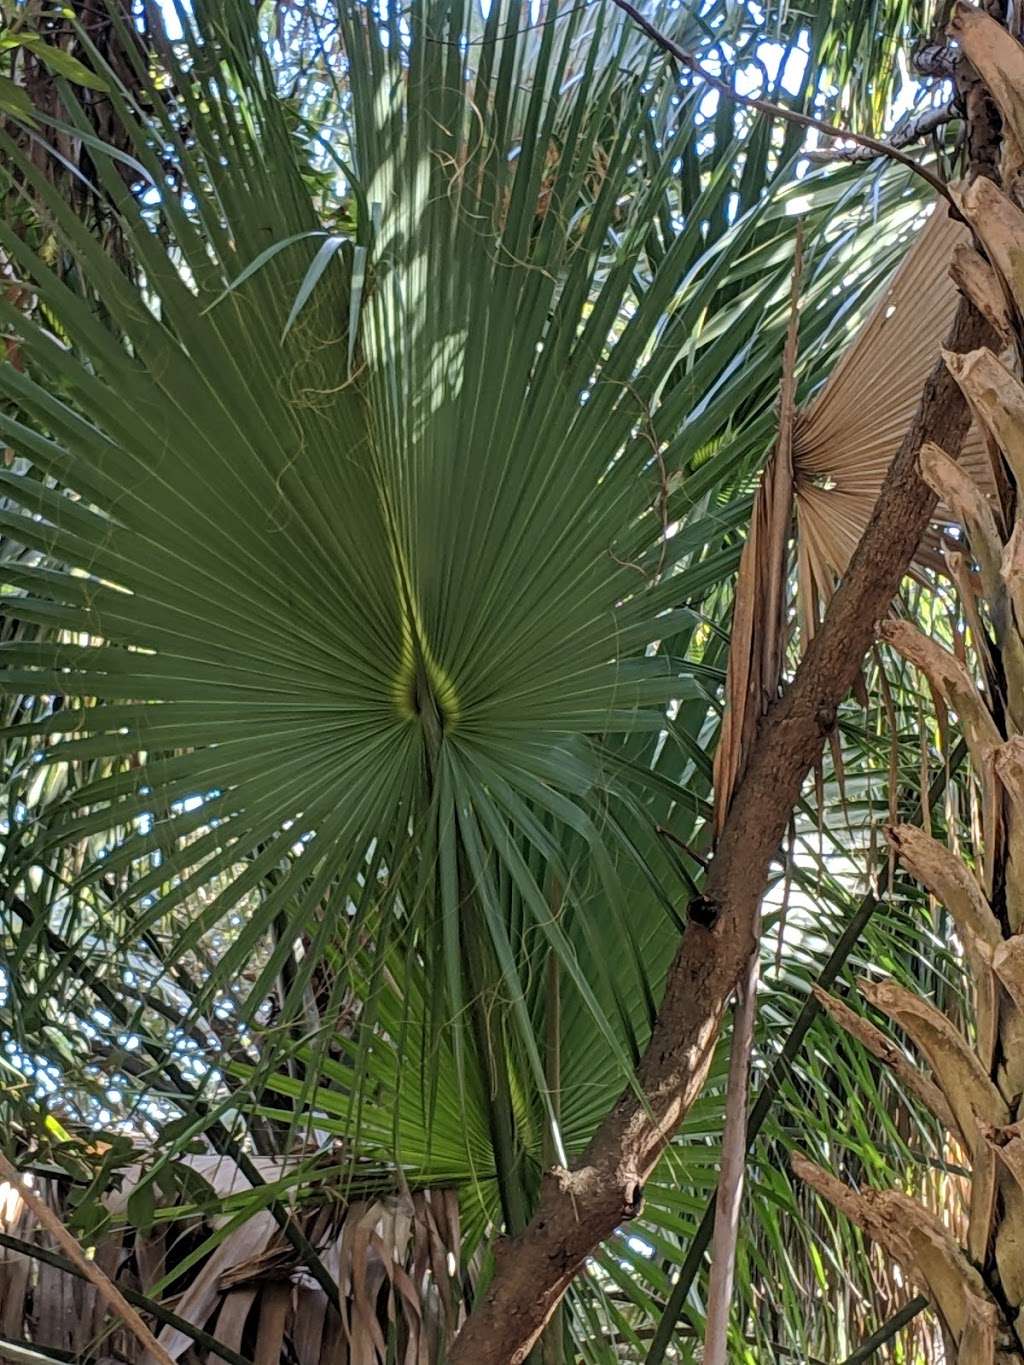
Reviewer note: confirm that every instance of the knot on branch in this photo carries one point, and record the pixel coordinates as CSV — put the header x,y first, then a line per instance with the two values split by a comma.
x,y
825,714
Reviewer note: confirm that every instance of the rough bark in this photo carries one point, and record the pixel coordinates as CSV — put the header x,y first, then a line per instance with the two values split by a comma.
x,y
578,1209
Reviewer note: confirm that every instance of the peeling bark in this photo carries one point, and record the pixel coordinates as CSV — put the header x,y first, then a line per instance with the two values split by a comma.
x,y
892,1057
999,224
915,1237
976,278
949,880
972,509
951,680
998,399
971,1093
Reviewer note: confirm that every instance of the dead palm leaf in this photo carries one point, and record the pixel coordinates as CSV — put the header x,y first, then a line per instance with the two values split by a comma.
x,y
842,444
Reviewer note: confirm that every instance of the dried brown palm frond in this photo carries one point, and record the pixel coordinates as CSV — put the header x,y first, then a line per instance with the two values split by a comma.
x,y
844,440
391,1255
829,468
758,633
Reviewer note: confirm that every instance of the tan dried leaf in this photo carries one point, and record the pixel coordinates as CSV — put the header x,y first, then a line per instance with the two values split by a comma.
x,y
950,678
984,1190
914,1237
977,1345
860,1207
1012,570
1008,965
951,482
842,445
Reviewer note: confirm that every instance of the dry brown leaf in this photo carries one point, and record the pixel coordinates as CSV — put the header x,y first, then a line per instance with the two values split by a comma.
x,y
986,1003
860,1207
842,445
916,1238
949,676
951,482
234,1313
15,1269
1009,766
984,1190
832,468
954,1285
89,1269
204,1292
758,632
999,224
1009,1149
1008,965
1012,570
275,1303
977,1345
1009,769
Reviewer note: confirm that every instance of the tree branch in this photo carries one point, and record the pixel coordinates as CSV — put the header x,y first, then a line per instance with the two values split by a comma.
x,y
872,144
578,1209
936,58
907,131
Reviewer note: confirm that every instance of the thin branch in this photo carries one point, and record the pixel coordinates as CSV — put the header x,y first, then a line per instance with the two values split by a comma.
x,y
729,1199
105,1287
906,132
687,59
887,1331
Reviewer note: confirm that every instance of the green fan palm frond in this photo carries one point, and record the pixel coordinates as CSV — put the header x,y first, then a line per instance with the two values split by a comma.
x,y
309,568
341,535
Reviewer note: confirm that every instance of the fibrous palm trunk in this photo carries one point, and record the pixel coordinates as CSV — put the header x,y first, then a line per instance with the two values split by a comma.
x,y
976,1284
